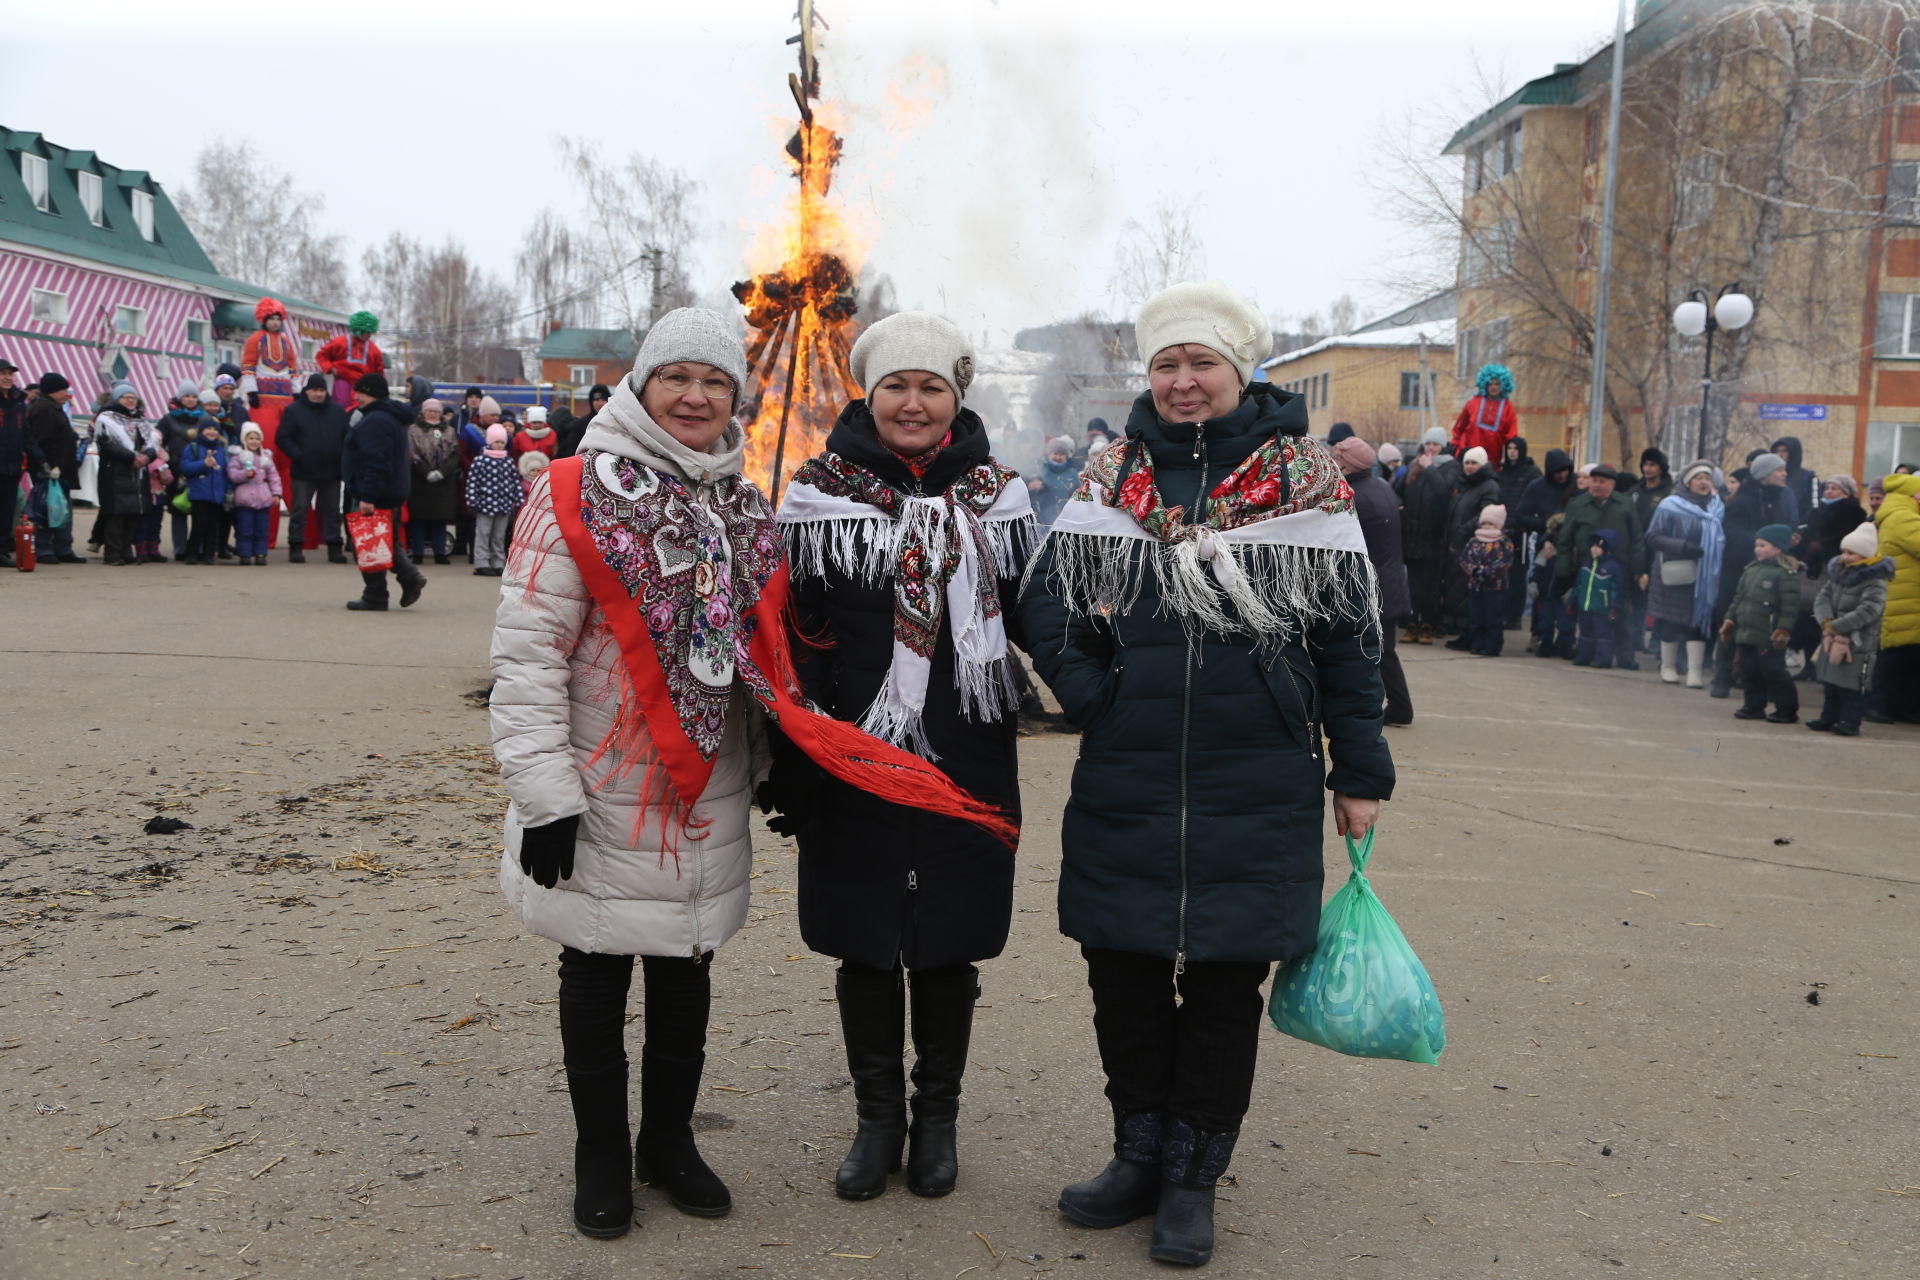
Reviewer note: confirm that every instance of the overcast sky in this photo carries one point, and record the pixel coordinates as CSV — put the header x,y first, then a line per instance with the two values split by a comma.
x,y
1034,130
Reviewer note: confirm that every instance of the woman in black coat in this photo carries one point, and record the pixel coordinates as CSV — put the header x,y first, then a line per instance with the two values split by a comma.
x,y
1205,609
1426,497
906,541
127,445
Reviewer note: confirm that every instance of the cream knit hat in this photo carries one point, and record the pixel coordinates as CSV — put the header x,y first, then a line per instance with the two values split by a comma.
x,y
1211,315
1864,541
912,340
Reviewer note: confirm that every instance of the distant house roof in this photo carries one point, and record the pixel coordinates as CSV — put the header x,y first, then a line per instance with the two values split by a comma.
x,y
1437,333
612,345
65,228
1441,306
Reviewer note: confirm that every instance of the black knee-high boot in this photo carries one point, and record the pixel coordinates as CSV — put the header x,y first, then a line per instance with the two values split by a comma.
x,y
942,1014
679,997
1191,1166
593,1009
873,1023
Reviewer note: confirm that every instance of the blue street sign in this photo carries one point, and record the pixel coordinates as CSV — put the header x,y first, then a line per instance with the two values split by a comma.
x,y
1793,413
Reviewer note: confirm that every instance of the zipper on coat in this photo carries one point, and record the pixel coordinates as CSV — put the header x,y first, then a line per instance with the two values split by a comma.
x,y
1186,718
913,880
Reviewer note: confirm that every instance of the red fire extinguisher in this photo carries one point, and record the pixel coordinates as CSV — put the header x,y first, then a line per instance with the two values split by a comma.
x,y
23,556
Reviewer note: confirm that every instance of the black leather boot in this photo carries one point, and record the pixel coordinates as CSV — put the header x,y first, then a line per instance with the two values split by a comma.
x,y
665,1155
1129,1187
942,1028
336,554
873,1018
1191,1164
602,1190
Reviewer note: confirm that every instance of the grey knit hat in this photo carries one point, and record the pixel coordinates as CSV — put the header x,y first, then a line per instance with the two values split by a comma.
x,y
1765,465
691,333
913,340
1433,435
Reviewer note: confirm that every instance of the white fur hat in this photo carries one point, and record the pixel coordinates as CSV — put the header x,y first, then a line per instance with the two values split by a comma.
x,y
912,340
1864,541
1210,315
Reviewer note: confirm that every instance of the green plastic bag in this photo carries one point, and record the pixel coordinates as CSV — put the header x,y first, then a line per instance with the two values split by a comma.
x,y
1362,992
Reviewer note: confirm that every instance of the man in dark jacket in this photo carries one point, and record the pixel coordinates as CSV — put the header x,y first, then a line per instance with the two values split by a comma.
x,y
1656,482
52,430
313,433
1379,512
19,454
570,434
1426,497
1542,500
1600,507
1803,484
378,468
1517,473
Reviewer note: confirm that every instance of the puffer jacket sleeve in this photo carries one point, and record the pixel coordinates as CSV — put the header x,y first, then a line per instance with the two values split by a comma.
x,y
1872,607
1073,654
1346,664
544,609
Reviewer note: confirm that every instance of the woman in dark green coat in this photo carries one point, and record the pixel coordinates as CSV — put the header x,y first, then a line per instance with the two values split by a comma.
x,y
1205,610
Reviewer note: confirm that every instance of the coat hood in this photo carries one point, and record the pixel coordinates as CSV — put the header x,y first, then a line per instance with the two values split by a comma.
x,y
1524,455
1612,541
1792,445
1853,575
1557,460
1901,484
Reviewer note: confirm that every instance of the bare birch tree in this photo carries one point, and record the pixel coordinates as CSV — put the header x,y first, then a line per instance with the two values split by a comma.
x,y
261,229
1163,251
447,309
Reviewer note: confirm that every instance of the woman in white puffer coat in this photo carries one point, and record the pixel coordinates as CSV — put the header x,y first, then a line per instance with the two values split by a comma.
x,y
598,747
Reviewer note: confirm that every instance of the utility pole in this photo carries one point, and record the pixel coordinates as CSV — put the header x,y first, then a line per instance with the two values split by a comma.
x,y
1425,395
1597,395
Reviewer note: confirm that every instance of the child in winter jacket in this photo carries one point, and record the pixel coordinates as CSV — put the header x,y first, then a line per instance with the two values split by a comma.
x,y
1552,619
1849,609
204,465
1486,560
1596,597
536,437
256,491
1760,622
494,494
531,465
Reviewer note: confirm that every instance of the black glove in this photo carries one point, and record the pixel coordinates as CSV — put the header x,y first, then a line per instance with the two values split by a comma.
x,y
546,853
253,399
790,803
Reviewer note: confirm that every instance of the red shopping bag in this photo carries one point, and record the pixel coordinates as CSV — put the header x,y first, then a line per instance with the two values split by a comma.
x,y
372,540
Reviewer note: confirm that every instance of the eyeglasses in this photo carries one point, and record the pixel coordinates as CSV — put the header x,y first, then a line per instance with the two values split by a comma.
x,y
717,388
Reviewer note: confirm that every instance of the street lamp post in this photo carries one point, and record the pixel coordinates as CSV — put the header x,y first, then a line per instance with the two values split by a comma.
x,y
1730,310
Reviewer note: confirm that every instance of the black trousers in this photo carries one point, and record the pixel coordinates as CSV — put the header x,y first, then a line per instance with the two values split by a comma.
x,y
404,571
203,543
1842,705
1896,683
678,997
1764,668
1426,582
1180,1044
1399,700
1485,615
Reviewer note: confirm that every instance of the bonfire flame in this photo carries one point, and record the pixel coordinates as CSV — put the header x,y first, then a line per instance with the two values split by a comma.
x,y
800,313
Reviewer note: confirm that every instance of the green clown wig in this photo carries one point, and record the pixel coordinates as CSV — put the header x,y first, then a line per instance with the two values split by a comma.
x,y
363,324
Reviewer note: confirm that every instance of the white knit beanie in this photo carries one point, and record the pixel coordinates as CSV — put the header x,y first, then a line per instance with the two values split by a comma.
x,y
1864,541
691,333
1475,454
912,340
1210,315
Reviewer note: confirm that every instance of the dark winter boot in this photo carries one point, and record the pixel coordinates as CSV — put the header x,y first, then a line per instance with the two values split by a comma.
x,y
942,1027
295,555
602,1191
1191,1164
873,1016
335,554
665,1155
1129,1187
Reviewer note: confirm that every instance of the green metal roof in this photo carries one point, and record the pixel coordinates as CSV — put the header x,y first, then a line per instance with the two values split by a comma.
x,y
173,252
1656,22
617,345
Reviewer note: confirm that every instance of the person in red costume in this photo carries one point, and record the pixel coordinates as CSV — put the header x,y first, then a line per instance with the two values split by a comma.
x,y
269,377
352,355
1488,421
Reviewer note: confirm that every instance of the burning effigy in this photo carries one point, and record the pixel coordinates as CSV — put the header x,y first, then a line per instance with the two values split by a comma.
x,y
800,314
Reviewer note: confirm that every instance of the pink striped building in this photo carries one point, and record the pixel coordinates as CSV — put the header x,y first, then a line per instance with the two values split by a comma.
x,y
100,279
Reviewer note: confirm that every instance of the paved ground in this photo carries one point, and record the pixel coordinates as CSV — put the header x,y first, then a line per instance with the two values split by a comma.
x,y
303,1037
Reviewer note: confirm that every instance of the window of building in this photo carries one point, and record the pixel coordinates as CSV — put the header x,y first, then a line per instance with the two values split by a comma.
x,y
1509,140
1903,193
1410,387
309,348
47,307
90,198
33,172
143,213
197,332
131,321
1897,330
583,375
1889,444
1486,254
1906,66
1484,345
228,354
1699,183
1326,389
